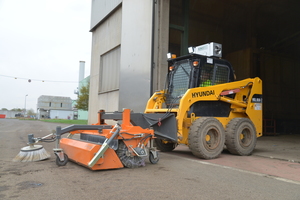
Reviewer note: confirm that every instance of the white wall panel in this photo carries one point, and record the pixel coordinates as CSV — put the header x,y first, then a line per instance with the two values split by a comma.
x,y
100,10
135,72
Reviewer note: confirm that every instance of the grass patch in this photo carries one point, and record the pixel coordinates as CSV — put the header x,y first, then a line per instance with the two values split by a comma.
x,y
23,118
65,121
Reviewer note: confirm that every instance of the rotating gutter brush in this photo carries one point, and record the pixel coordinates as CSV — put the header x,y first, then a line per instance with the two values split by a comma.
x,y
101,146
32,152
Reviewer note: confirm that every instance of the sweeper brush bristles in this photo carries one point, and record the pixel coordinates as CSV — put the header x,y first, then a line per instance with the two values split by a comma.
x,y
32,153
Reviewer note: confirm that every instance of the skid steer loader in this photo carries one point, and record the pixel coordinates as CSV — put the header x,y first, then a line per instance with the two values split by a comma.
x,y
207,107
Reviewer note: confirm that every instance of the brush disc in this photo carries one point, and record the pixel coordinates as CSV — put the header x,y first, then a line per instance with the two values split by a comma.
x,y
31,148
32,153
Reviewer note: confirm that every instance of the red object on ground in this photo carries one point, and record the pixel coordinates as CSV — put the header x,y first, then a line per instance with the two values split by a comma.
x,y
2,116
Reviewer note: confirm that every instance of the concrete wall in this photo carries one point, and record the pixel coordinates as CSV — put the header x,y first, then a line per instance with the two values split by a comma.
x,y
105,37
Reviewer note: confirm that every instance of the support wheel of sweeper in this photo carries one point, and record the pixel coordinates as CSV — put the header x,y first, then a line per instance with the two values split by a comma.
x,y
240,136
62,163
206,138
128,158
152,159
164,146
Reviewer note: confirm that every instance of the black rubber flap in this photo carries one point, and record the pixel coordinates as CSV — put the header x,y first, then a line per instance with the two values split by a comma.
x,y
164,125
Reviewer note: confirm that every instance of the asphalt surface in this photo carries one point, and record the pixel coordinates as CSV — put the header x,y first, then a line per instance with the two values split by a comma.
x,y
178,174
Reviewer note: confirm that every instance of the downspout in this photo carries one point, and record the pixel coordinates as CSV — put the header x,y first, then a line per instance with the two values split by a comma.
x,y
152,64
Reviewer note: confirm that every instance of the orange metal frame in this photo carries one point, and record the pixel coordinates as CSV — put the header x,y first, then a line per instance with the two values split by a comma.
x,y
82,152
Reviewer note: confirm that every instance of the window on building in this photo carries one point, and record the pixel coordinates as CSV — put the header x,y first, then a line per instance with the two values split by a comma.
x,y
50,104
109,70
61,105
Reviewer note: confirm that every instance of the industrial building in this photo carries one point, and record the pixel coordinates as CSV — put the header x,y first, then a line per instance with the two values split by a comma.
x,y
54,107
132,37
9,114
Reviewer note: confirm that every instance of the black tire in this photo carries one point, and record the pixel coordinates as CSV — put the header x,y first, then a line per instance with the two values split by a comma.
x,y
62,163
164,146
152,159
240,136
206,138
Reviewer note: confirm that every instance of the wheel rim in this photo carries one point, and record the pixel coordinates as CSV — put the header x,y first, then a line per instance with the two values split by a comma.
x,y
212,139
245,137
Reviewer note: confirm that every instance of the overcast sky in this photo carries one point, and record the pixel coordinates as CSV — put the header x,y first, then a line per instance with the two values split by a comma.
x,y
42,40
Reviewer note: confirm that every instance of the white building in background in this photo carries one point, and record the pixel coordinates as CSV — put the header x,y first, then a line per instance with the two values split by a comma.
x,y
54,107
9,113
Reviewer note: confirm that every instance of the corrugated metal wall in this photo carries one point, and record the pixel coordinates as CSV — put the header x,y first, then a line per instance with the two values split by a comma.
x,y
110,70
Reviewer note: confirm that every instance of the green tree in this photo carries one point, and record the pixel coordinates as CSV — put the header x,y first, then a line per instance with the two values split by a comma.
x,y
83,98
30,112
17,109
4,109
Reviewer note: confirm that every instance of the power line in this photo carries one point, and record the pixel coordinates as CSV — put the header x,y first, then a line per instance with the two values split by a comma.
x,y
29,79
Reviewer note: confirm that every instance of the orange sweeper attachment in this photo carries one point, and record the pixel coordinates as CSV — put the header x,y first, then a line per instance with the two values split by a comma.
x,y
101,146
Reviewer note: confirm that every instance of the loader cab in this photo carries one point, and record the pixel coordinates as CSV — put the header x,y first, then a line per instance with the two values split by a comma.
x,y
195,70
